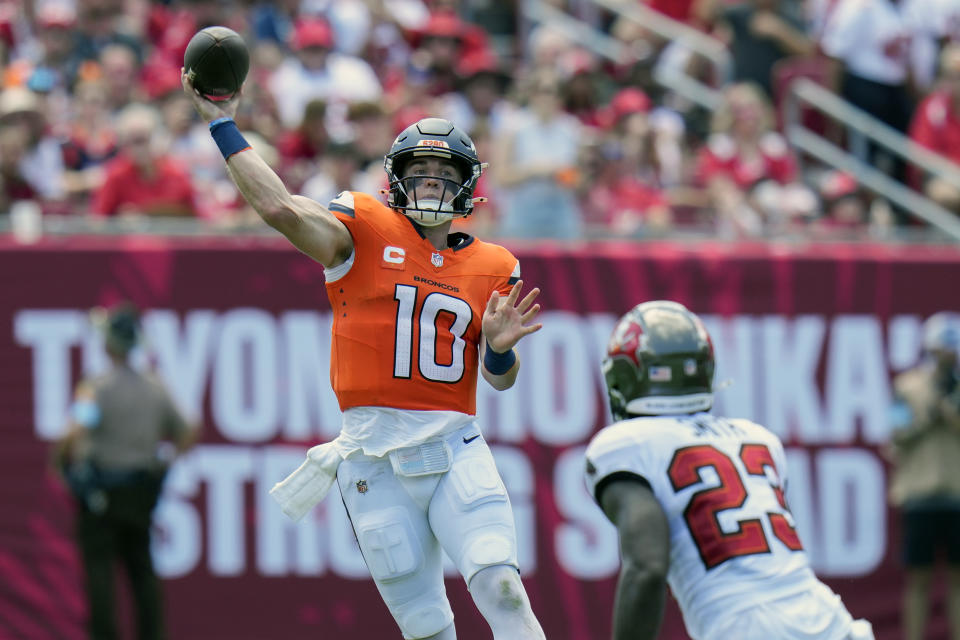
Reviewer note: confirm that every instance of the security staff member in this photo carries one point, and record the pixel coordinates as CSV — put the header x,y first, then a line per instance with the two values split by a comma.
x,y
111,459
924,485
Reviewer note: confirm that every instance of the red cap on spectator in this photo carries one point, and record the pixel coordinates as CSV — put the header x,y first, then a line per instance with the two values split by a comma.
x,y
629,100
626,102
443,24
18,100
838,184
480,61
7,17
312,32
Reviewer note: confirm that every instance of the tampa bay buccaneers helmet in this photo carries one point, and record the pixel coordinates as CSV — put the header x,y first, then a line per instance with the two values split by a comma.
x,y
659,361
441,139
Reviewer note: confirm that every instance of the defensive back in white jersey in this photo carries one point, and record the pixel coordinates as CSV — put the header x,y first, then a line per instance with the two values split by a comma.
x,y
736,562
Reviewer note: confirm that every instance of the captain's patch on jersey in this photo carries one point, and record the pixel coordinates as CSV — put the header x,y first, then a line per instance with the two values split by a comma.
x,y
393,258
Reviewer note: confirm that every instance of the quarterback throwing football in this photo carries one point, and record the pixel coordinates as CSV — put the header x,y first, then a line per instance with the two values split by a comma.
x,y
417,310
698,500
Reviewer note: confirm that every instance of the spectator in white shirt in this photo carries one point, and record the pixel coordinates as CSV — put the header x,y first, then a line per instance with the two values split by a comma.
x,y
871,39
318,72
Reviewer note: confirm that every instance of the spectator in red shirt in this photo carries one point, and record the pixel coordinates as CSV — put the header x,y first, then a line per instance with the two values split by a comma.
x,y
744,149
300,149
143,179
936,126
742,152
627,194
438,46
620,202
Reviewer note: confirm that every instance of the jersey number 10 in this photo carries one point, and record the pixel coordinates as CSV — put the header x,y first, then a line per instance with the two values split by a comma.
x,y
717,546
433,305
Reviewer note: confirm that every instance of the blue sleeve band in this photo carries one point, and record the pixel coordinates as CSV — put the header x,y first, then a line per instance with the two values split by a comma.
x,y
227,137
214,123
498,363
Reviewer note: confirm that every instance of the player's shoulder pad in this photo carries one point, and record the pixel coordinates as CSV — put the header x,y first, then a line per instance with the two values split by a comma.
x,y
752,428
515,274
344,203
355,205
625,432
501,262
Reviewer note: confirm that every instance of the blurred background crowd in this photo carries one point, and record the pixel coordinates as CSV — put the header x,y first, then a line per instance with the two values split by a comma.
x,y
94,127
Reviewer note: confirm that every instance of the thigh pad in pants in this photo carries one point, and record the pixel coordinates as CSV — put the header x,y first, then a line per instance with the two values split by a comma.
x,y
400,550
471,514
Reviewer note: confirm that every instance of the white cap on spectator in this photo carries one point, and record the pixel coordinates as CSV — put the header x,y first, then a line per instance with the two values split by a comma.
x,y
941,331
18,100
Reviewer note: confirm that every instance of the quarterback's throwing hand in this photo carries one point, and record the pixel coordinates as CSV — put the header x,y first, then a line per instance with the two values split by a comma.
x,y
505,320
208,109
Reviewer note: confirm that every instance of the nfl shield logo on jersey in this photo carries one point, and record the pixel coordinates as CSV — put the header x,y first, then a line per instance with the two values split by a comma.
x,y
436,259
362,486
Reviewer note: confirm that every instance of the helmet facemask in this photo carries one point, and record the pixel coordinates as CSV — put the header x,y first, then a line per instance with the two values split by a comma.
x,y
428,210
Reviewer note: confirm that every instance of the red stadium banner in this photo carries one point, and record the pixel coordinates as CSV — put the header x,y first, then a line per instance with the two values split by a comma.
x,y
239,328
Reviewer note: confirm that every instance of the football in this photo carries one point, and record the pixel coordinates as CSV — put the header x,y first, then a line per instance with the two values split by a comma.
x,y
217,61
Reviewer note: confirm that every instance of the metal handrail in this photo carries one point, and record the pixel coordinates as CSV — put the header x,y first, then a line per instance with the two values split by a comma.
x,y
670,29
912,201
814,95
612,49
863,125
577,30
689,87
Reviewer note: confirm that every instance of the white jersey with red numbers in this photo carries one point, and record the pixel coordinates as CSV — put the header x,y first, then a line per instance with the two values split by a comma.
x,y
733,546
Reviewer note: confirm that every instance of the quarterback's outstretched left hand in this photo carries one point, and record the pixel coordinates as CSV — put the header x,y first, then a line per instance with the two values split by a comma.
x,y
505,321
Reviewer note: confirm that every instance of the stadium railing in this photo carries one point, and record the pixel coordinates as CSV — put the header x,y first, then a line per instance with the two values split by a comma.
x,y
685,85
862,130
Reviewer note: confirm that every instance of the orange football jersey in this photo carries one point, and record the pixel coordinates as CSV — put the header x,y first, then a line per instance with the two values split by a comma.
x,y
407,318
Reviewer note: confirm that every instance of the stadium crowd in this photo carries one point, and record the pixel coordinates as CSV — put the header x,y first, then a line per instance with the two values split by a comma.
x,y
93,122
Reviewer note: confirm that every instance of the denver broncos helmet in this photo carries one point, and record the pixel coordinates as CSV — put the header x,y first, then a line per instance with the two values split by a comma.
x,y
659,361
437,138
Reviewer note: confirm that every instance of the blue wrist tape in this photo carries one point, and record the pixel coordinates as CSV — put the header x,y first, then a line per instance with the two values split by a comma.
x,y
498,363
228,137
